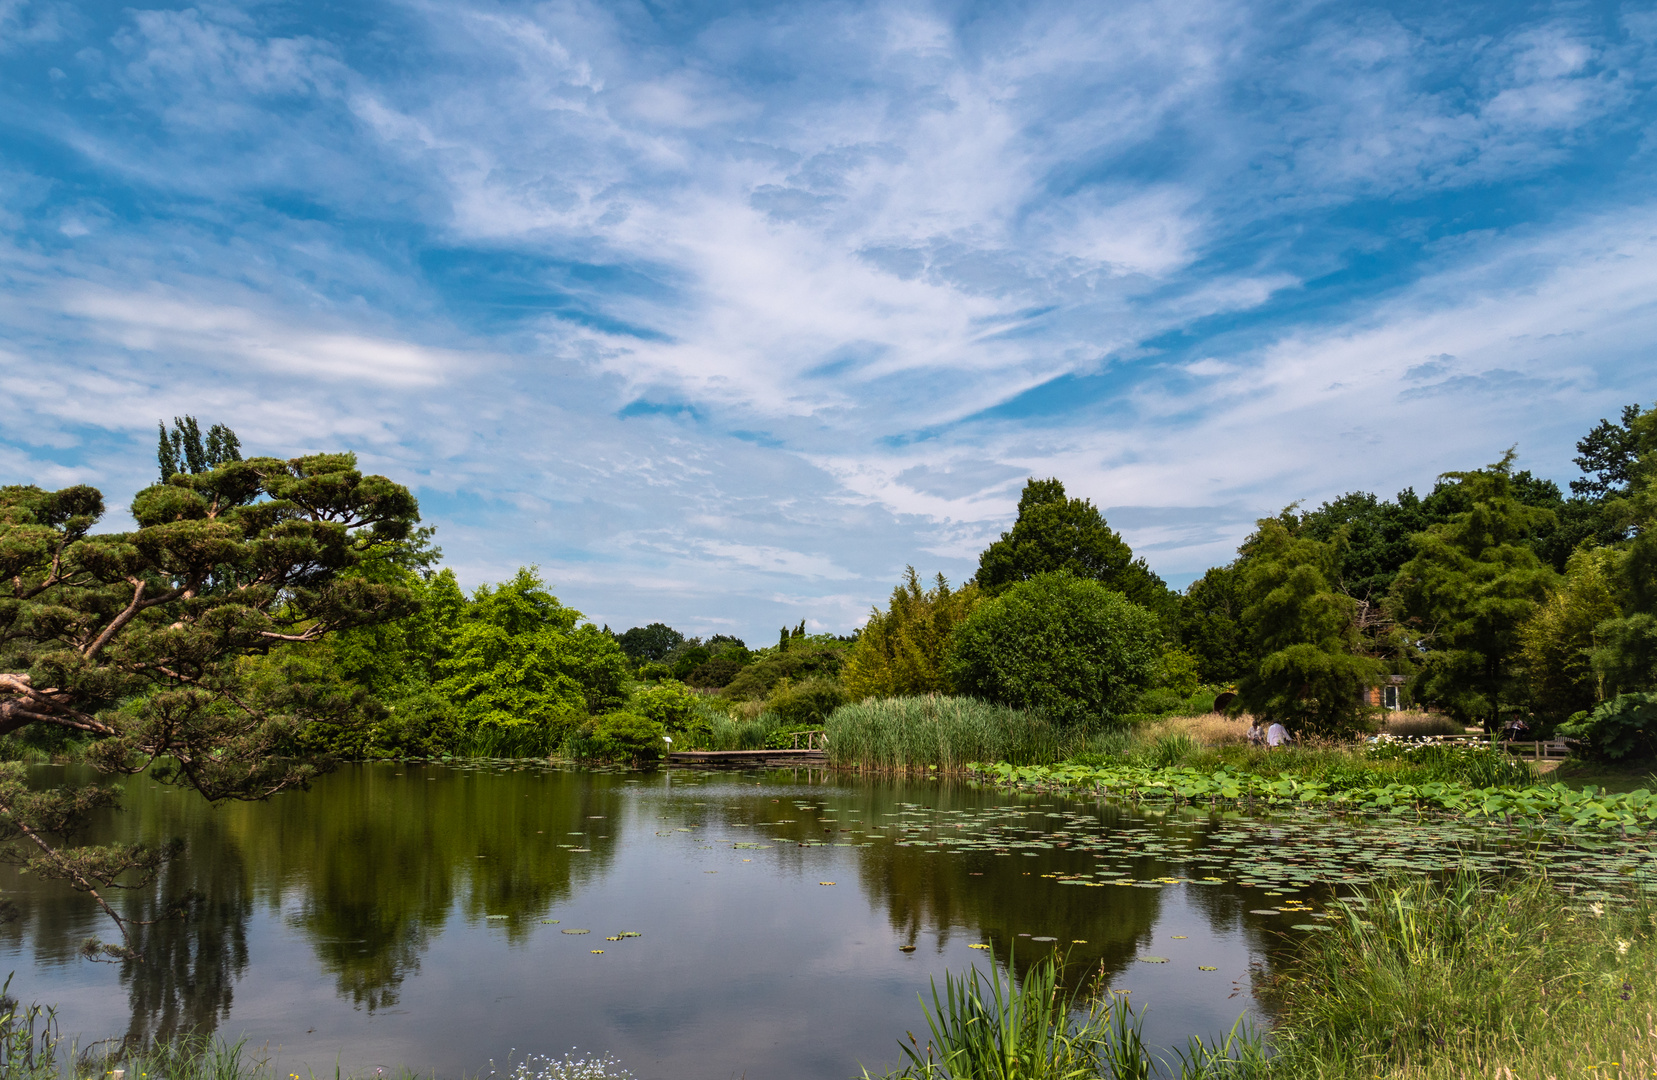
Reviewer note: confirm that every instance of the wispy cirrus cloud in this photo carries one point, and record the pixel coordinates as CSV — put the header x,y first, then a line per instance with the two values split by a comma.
x,y
724,316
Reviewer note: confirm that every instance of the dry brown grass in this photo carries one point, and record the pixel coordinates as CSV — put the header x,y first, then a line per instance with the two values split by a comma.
x,y
1209,729
1414,724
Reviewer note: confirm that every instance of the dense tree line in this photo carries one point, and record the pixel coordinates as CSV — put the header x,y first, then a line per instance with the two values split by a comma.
x,y
1494,595
268,616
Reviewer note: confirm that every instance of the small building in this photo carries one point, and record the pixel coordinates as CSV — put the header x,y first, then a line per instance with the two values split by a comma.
x,y
1388,695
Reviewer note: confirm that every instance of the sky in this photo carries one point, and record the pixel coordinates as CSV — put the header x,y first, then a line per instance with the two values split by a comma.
x,y
723,314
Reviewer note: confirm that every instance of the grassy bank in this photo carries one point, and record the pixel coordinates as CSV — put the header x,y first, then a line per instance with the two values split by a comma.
x,y
1457,980
1423,980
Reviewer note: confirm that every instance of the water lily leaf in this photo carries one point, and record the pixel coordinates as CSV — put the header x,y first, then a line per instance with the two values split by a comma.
x,y
906,948
977,946
825,883
1153,959
1206,967
598,952
1263,911
567,931
1311,926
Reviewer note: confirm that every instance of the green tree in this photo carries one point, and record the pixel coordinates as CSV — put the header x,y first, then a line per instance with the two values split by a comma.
x,y
1057,534
1607,456
519,662
184,450
1211,624
645,644
137,640
900,652
1627,657
1474,581
1308,665
1069,646
1558,644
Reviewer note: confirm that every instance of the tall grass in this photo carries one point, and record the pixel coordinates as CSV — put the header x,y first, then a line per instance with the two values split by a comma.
x,y
1462,979
1414,725
940,732
989,1027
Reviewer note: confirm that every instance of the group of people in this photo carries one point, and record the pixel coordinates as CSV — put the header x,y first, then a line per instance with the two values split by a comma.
x,y
1273,736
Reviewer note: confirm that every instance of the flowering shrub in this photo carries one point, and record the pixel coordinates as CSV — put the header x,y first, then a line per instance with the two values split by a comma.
x,y
1478,764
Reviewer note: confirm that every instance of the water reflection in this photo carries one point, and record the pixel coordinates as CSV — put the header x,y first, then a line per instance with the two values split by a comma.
x,y
421,897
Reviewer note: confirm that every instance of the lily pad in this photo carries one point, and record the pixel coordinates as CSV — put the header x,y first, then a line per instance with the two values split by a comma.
x,y
575,931
1153,959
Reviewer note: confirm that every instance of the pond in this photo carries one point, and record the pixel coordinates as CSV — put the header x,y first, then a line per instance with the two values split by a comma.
x,y
691,923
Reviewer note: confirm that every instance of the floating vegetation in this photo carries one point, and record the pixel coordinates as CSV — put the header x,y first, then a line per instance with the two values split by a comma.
x,y
575,931
1588,808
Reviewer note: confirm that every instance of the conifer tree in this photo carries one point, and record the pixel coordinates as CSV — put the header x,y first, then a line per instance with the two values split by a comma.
x,y
136,640
1473,582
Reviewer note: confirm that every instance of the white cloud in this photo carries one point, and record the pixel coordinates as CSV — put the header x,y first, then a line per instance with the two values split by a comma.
x,y
221,336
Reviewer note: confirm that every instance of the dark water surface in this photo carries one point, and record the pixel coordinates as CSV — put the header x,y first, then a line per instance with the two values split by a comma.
x,y
399,916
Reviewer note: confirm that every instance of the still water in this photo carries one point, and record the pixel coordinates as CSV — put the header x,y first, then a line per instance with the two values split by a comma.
x,y
422,916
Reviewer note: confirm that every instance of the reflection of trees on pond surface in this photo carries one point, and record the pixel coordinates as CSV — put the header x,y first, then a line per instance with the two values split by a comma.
x,y
368,865
381,857
186,981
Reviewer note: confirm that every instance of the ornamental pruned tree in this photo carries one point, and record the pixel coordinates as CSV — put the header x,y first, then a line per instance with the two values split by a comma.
x,y
136,640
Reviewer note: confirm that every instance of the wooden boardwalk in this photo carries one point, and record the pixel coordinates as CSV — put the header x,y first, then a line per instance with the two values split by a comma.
x,y
748,757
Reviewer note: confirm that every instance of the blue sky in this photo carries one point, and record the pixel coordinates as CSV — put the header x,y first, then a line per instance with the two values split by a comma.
x,y
723,313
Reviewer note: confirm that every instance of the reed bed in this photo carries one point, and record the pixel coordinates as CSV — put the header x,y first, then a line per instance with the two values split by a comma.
x,y
945,733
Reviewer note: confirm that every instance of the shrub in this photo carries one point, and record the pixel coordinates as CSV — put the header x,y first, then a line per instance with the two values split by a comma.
x,y
808,703
1624,727
619,736
424,725
673,706
758,679
1067,646
716,673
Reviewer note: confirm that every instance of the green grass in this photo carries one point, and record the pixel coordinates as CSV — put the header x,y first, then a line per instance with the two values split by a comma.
x,y
1461,978
991,1027
1605,775
945,733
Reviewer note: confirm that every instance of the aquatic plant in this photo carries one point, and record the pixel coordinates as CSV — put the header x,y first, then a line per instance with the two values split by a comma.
x,y
1589,807
990,1027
